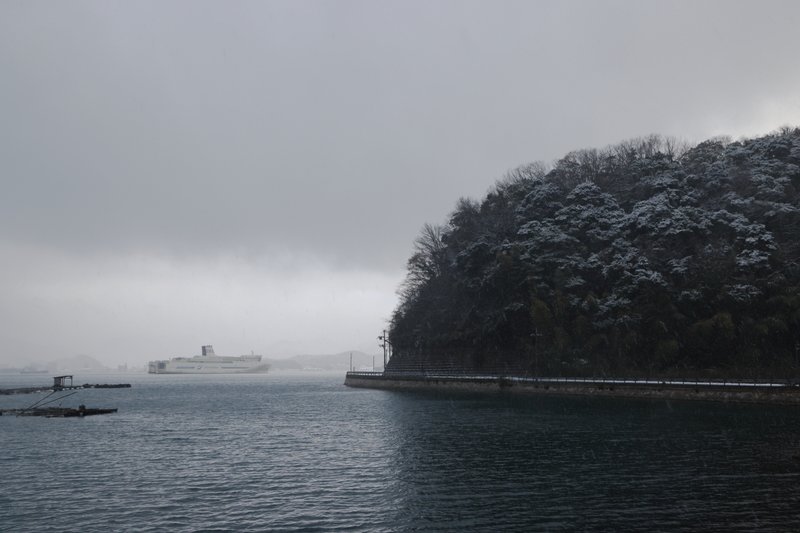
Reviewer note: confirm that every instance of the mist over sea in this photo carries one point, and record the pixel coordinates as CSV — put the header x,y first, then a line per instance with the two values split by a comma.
x,y
301,452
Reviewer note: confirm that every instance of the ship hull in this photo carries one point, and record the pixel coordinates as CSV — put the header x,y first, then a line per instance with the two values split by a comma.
x,y
207,368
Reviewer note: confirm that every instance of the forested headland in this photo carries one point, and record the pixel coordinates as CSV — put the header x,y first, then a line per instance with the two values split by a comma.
x,y
647,258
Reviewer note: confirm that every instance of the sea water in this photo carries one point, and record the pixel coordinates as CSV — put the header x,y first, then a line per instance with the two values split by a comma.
x,y
302,452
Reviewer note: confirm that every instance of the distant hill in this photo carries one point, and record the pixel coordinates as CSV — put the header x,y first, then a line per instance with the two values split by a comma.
x,y
76,363
338,362
650,257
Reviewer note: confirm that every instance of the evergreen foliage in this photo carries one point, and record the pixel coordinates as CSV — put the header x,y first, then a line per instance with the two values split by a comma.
x,y
647,258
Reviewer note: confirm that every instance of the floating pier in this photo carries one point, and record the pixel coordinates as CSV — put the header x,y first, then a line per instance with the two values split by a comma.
x,y
58,412
61,383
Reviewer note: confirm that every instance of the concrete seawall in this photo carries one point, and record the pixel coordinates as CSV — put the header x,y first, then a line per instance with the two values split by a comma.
x,y
773,393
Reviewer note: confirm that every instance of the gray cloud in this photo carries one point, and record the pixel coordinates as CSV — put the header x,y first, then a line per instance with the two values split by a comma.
x,y
334,130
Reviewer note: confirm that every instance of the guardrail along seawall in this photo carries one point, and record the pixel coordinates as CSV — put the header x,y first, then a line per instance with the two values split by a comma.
x,y
714,390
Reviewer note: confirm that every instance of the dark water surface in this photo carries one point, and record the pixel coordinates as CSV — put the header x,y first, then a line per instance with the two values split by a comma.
x,y
301,452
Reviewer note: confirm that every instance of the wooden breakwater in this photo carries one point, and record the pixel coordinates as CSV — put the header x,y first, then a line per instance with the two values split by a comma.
x,y
722,390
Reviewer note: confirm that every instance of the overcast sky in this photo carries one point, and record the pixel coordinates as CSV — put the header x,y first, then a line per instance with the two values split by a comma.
x,y
253,174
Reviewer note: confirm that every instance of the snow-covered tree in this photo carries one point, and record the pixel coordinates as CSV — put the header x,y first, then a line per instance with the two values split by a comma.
x,y
648,257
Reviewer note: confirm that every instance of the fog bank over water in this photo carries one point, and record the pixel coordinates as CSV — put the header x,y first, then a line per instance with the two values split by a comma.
x,y
129,309
253,174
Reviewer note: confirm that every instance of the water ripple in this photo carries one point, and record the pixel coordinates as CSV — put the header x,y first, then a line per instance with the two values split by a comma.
x,y
304,453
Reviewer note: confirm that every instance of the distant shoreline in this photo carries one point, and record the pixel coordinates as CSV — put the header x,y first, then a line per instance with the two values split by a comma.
x,y
741,392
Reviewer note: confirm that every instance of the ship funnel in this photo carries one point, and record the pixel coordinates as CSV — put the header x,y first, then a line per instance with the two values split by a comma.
x,y
208,350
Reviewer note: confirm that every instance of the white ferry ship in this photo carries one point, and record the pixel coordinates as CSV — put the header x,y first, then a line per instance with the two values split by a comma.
x,y
209,363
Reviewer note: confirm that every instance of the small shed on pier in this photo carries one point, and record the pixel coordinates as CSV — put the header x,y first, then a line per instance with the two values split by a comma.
x,y
60,382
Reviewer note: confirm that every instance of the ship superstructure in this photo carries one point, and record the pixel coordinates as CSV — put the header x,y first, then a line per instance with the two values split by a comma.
x,y
209,363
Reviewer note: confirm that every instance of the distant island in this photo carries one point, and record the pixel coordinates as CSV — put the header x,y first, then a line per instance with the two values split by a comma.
x,y
76,363
648,258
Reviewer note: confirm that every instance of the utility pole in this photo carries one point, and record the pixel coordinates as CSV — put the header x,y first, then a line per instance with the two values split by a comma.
x,y
796,362
535,337
384,341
